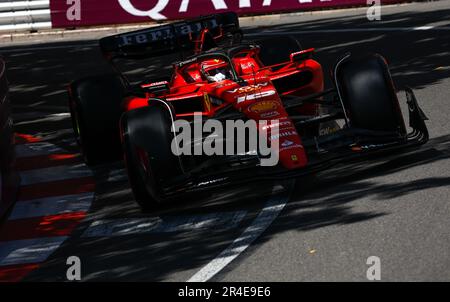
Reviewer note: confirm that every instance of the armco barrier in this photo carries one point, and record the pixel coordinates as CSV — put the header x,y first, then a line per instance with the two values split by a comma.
x,y
24,15
77,13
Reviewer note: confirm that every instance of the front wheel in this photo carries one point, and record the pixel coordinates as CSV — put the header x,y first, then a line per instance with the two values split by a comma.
x,y
146,139
368,94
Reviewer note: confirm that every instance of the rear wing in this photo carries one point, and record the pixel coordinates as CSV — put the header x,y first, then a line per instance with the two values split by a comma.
x,y
171,38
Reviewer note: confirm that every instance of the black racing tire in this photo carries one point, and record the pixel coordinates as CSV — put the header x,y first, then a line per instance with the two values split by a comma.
x,y
147,132
7,150
95,107
369,95
276,50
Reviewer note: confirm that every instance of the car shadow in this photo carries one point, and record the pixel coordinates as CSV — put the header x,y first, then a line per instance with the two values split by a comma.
x,y
317,202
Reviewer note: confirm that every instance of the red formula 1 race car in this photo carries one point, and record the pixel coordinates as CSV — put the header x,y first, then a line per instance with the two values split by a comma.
x,y
225,79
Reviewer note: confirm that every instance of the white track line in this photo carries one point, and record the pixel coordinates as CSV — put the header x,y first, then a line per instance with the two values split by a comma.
x,y
56,135
349,30
19,117
127,226
52,206
36,149
269,213
37,48
54,174
29,250
28,119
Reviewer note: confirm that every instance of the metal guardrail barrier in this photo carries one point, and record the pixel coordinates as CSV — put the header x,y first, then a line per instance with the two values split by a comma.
x,y
24,15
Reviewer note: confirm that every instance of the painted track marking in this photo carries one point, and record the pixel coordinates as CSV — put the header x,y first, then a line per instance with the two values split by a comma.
x,y
57,188
350,30
28,250
40,227
54,174
36,149
56,192
52,206
268,214
126,226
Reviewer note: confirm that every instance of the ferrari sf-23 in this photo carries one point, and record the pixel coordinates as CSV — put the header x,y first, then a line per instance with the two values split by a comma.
x,y
221,76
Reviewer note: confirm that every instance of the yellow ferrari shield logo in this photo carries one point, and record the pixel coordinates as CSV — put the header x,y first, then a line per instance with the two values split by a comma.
x,y
207,102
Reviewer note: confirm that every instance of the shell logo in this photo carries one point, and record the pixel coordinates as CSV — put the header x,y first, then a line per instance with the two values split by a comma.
x,y
264,106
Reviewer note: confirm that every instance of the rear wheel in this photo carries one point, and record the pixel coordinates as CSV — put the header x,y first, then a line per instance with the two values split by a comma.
x,y
146,138
368,94
95,107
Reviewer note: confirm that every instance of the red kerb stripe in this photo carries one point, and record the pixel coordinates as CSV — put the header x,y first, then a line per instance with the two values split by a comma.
x,y
36,227
26,138
15,273
56,188
45,161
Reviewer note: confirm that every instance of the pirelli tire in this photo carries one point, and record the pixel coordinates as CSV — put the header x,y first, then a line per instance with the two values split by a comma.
x,y
95,107
368,94
149,160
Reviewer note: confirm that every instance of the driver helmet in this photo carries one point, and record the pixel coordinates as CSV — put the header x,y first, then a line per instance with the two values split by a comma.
x,y
216,70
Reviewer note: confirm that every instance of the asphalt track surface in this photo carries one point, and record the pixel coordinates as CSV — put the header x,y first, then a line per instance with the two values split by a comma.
x,y
322,228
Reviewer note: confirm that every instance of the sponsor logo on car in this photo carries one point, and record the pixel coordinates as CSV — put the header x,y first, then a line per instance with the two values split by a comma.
x,y
248,65
249,89
287,143
164,33
156,85
280,125
283,134
207,101
258,95
328,130
224,84
269,114
264,106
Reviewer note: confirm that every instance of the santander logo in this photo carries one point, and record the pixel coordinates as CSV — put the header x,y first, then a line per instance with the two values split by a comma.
x,y
155,13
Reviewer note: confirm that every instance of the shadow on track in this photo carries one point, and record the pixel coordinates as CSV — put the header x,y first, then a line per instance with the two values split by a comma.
x,y
321,201
415,57
39,79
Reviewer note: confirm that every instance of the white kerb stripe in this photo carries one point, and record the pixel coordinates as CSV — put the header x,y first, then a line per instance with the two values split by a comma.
x,y
54,174
36,149
29,250
52,206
